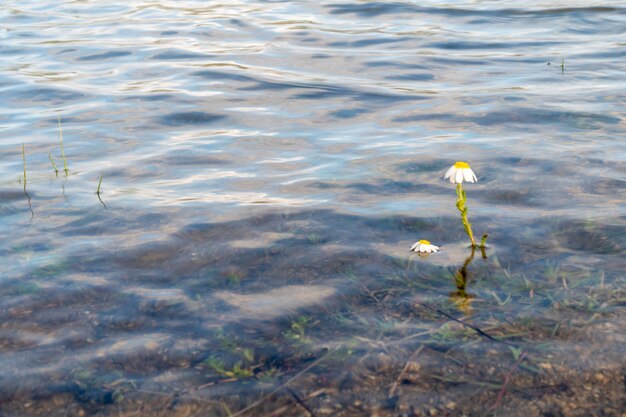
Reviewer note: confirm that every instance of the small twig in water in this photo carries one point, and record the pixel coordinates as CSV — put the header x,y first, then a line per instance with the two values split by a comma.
x,y
507,379
274,391
476,329
30,206
300,401
24,162
394,388
187,397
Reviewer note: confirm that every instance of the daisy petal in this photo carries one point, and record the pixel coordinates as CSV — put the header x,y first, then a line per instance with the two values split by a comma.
x,y
467,174
459,176
449,172
474,175
413,246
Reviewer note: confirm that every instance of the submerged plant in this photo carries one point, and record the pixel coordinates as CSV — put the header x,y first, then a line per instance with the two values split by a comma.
x,y
65,168
56,170
99,184
98,193
238,370
458,173
24,163
297,332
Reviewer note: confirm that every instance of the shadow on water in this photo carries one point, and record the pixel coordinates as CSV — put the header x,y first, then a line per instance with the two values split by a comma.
x,y
374,9
523,116
316,308
190,118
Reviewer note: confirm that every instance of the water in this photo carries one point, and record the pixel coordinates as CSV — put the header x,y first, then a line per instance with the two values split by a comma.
x,y
266,166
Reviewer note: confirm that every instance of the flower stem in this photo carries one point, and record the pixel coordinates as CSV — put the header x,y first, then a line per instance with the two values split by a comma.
x,y
460,204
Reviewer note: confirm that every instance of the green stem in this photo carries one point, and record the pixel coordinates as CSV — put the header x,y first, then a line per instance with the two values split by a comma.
x,y
65,168
56,171
460,204
24,162
99,184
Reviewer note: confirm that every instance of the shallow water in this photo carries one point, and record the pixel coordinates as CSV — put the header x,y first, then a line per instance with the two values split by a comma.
x,y
265,167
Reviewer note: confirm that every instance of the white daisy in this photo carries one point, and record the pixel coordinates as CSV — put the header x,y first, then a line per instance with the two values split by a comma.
x,y
424,246
460,172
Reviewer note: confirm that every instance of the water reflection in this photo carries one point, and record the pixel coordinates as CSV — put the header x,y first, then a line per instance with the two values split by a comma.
x,y
461,298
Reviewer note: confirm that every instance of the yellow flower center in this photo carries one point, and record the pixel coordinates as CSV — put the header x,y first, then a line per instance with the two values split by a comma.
x,y
461,165
424,242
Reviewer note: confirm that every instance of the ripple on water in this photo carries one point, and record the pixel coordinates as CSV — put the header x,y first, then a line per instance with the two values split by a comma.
x,y
190,118
104,56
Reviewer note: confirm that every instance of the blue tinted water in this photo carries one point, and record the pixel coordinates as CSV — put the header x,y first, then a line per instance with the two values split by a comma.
x,y
266,162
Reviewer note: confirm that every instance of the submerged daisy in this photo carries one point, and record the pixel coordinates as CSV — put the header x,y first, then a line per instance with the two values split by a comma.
x,y
460,172
424,246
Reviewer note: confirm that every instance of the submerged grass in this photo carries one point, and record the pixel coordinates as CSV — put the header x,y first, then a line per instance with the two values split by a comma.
x,y
65,167
56,170
393,334
24,163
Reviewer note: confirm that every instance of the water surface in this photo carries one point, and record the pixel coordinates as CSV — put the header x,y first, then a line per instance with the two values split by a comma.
x,y
266,166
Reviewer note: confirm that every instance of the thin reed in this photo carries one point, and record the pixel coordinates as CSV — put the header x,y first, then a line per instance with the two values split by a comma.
x,y
56,170
65,168
24,162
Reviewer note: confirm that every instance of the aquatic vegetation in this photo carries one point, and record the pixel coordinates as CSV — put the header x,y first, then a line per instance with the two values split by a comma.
x,y
56,170
233,278
314,238
232,360
297,333
238,370
424,246
457,173
65,167
99,184
24,163
98,193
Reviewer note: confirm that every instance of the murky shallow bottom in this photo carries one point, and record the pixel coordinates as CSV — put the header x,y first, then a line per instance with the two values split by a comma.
x,y
283,312
266,167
